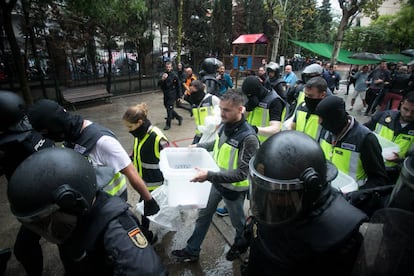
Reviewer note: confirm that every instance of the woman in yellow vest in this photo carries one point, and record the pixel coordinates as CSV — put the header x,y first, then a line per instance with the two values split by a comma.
x,y
148,142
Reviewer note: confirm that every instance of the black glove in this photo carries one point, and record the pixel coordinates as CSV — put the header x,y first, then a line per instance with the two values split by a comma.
x,y
151,207
255,128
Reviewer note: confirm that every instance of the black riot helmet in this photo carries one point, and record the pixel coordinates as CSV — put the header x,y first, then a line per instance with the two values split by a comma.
x,y
53,121
289,178
310,71
50,190
12,109
210,65
273,67
402,195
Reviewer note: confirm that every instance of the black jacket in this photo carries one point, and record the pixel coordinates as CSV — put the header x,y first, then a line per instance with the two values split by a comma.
x,y
324,243
108,241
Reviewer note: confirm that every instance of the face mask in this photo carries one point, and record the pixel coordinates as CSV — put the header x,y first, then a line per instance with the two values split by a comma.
x,y
140,131
311,103
56,228
334,125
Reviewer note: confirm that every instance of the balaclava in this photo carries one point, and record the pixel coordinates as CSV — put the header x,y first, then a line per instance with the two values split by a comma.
x,y
254,90
332,111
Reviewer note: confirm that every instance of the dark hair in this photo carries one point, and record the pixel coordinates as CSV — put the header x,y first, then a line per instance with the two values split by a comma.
x,y
409,97
233,96
318,82
199,85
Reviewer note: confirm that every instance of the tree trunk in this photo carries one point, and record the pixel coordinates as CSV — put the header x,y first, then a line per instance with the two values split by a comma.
x,y
91,54
37,62
276,39
339,37
14,47
109,77
179,31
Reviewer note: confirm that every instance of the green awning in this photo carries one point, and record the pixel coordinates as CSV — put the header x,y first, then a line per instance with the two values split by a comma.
x,y
325,50
396,58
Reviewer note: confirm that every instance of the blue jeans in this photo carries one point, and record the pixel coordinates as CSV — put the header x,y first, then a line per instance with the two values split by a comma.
x,y
205,215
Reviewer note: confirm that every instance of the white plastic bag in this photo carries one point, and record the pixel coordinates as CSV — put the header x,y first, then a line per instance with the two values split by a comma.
x,y
168,217
287,123
210,128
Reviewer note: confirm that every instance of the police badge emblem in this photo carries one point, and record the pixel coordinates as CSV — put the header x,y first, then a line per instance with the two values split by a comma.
x,y
388,119
138,238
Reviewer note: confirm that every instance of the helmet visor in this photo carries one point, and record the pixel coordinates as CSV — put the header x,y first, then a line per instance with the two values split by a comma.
x,y
56,227
274,201
37,215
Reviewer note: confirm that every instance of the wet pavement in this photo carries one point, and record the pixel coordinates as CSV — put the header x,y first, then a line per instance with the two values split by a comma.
x,y
212,259
219,237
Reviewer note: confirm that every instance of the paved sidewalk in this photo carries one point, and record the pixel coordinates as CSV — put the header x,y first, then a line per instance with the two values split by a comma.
x,y
212,259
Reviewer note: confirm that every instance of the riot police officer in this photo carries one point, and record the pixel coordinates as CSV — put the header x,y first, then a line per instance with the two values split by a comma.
x,y
18,140
266,109
274,80
300,224
208,72
388,247
54,193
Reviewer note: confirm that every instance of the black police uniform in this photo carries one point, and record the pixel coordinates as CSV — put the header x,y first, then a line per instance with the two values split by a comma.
x,y
108,241
278,84
171,89
212,84
325,243
15,146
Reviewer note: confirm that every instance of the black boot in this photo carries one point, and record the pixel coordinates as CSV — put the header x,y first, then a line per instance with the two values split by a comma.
x,y
5,255
180,120
167,125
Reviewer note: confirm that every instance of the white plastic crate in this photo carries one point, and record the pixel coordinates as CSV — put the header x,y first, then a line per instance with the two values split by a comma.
x,y
388,147
178,167
344,183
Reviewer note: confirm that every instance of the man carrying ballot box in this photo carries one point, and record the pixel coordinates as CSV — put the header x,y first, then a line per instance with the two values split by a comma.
x,y
233,148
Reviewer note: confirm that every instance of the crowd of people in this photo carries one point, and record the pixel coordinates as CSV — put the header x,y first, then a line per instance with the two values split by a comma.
x,y
279,142
381,88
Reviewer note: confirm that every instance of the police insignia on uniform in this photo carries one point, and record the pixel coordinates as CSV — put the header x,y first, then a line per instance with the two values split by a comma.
x,y
138,238
388,119
255,230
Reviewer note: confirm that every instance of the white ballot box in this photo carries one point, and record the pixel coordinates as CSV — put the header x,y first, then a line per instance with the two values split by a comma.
x,y
178,167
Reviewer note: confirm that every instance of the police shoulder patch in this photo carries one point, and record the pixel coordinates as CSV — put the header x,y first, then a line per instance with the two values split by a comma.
x,y
138,238
388,119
